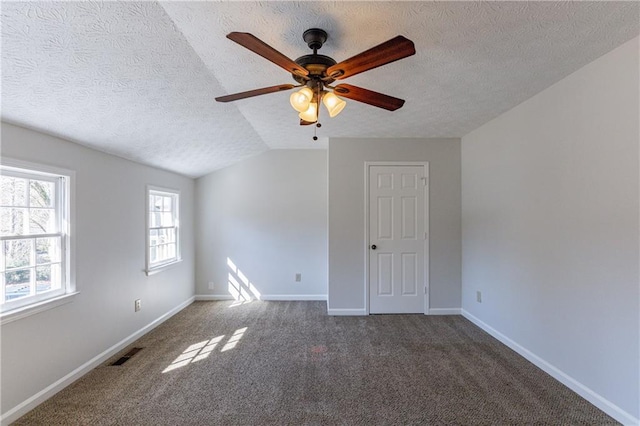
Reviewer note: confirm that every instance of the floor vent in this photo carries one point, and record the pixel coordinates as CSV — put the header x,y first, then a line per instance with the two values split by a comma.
x,y
127,356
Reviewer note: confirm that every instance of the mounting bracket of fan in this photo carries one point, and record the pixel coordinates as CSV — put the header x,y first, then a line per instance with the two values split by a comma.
x,y
315,38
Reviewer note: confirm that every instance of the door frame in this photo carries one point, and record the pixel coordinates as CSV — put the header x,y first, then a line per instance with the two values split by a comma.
x,y
367,243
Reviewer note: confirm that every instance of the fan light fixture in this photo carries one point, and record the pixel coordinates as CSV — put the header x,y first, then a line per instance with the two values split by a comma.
x,y
333,103
311,114
302,101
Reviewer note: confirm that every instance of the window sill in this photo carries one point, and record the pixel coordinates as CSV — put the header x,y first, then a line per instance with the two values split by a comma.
x,y
36,308
160,268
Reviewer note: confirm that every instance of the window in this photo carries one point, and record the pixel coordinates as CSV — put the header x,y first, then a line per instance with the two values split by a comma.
x,y
163,233
35,220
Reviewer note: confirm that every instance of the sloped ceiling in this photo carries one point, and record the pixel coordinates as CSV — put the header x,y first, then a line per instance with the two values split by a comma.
x,y
138,79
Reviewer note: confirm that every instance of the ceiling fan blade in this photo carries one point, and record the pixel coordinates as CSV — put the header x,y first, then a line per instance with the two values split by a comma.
x,y
368,97
306,123
256,92
258,46
387,52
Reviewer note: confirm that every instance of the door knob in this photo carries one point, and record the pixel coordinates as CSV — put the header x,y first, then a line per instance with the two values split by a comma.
x,y
373,247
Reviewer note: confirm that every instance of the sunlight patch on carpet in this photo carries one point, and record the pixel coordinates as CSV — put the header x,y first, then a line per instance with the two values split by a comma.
x,y
194,353
233,341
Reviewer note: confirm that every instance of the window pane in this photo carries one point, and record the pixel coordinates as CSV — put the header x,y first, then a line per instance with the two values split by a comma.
x,y
48,278
41,193
167,204
42,221
17,283
171,251
17,253
48,250
153,255
157,203
14,191
12,221
167,219
171,235
153,237
43,278
56,276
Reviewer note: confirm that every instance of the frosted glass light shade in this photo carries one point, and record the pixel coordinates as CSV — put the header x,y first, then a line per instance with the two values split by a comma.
x,y
333,104
300,100
311,114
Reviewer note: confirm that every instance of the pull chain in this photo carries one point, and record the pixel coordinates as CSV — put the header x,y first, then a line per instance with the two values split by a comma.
x,y
319,94
315,137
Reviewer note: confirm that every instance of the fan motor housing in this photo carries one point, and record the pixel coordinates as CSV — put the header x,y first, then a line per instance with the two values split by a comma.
x,y
316,65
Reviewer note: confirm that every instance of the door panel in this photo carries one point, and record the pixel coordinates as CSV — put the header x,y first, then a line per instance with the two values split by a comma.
x,y
409,274
385,218
409,216
385,274
397,275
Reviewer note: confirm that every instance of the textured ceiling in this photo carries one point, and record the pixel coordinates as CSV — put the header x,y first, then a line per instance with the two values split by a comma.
x,y
138,79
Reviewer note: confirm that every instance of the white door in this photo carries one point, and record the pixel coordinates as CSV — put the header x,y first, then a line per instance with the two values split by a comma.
x,y
397,239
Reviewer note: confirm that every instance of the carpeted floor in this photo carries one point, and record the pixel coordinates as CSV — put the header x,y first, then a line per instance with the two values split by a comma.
x,y
289,363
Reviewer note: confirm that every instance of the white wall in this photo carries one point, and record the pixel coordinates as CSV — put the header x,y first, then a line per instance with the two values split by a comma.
x,y
268,214
550,227
347,236
110,259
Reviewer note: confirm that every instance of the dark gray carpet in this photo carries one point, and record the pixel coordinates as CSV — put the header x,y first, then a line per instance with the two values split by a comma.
x,y
295,365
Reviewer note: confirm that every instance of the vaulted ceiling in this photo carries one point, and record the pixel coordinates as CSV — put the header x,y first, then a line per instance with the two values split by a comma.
x,y
138,79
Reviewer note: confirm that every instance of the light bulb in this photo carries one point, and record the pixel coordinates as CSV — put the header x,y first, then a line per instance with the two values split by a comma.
x,y
300,100
333,104
311,114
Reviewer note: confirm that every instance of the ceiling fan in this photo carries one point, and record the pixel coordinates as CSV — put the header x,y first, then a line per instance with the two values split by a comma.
x,y
315,73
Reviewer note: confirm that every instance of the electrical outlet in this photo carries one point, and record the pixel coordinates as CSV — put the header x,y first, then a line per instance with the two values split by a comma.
x,y
138,305
210,285
298,277
479,296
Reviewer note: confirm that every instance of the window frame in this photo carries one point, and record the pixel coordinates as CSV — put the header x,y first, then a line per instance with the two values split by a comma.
x,y
165,192
64,208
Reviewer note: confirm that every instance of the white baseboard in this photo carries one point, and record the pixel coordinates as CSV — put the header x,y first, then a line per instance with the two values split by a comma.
x,y
284,297
445,311
29,404
602,403
358,312
347,312
201,297
271,297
